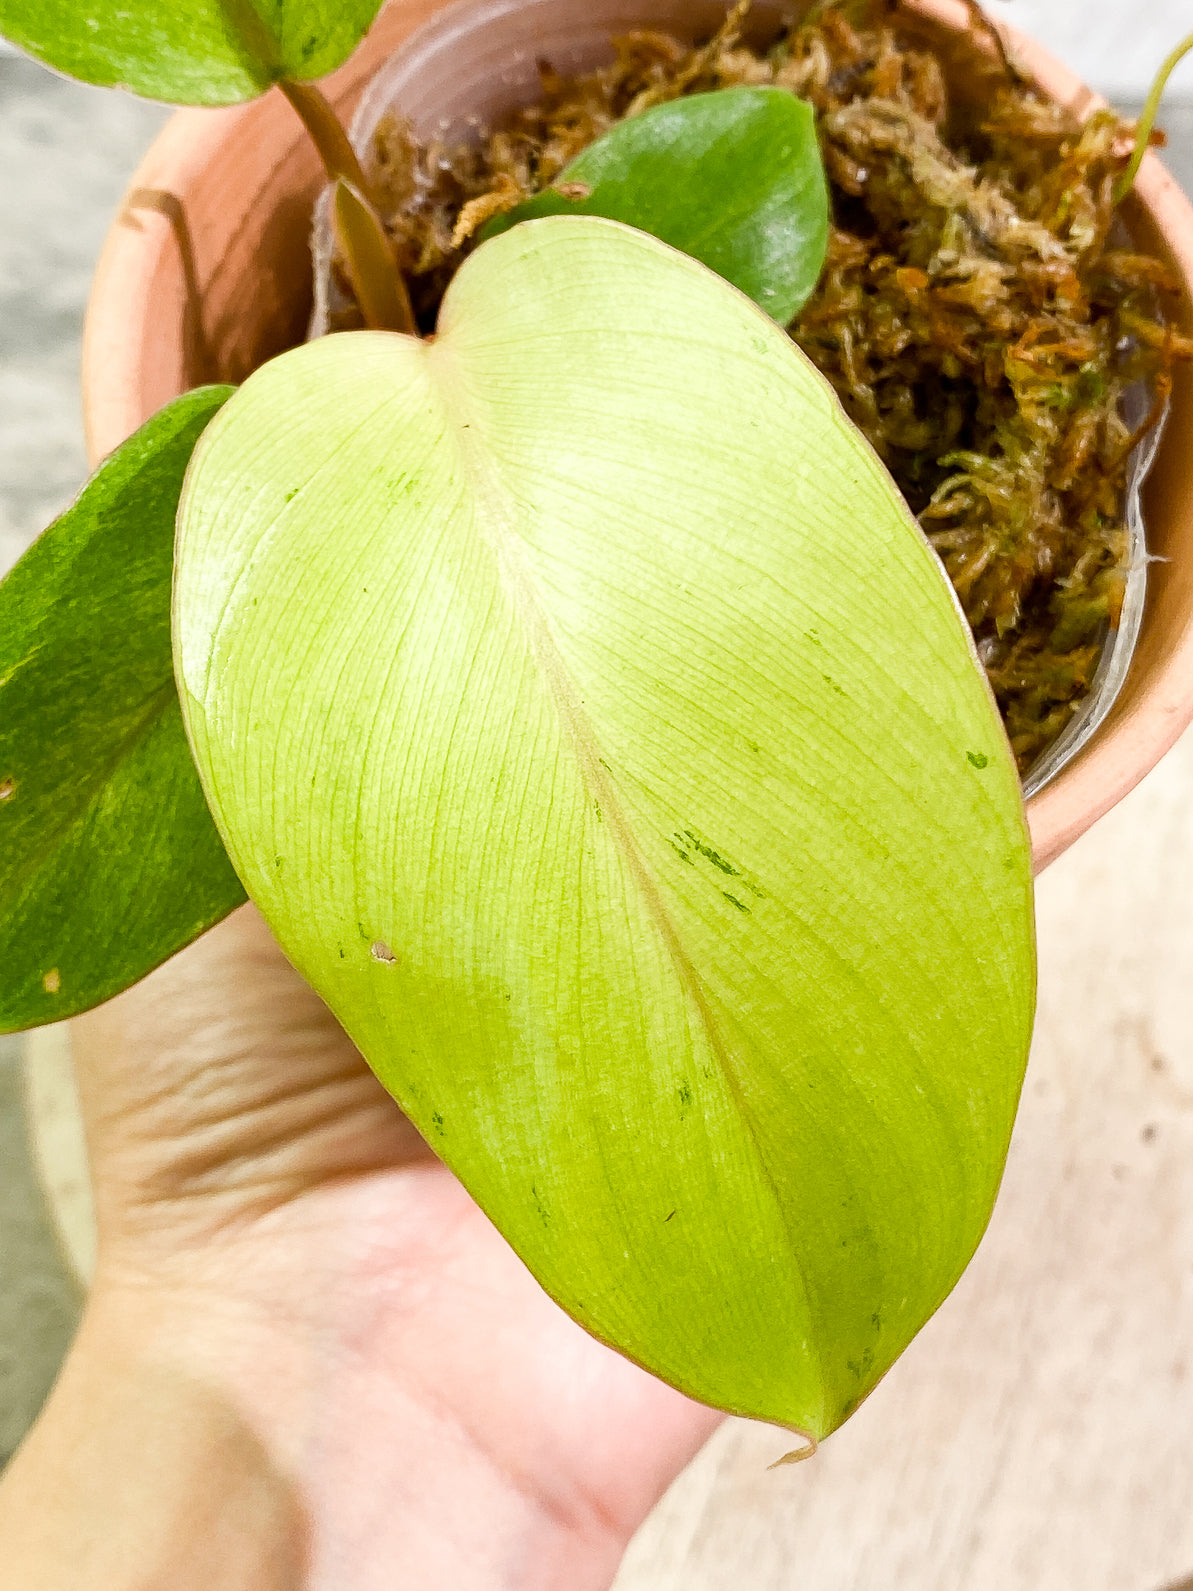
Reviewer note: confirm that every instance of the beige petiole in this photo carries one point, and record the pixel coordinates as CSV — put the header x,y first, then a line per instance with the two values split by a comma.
x,y
376,279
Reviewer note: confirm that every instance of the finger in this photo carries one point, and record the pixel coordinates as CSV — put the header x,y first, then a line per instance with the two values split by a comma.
x,y
223,1076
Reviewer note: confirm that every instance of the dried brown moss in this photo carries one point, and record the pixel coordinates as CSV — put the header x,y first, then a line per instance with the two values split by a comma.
x,y
978,315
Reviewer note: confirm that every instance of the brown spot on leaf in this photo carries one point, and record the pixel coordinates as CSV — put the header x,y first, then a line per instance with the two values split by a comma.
x,y
380,951
7,789
573,190
52,982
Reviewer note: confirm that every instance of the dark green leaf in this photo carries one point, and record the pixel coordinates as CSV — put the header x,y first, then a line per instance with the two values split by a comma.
x,y
109,860
734,179
189,52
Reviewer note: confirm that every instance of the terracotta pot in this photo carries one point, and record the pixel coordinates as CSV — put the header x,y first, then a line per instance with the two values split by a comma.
x,y
205,274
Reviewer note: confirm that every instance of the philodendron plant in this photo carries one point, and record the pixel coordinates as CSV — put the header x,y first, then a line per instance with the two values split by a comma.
x,y
582,707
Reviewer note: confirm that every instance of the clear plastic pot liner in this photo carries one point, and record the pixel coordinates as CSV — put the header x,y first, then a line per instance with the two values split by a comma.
x,y
1118,646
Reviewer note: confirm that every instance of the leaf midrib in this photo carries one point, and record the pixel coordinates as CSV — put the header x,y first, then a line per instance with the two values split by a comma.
x,y
251,31
497,519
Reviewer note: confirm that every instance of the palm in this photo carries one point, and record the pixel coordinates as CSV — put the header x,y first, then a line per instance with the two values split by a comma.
x,y
238,1137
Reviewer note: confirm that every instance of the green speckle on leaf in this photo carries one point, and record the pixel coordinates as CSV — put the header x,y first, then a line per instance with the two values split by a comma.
x,y
978,758
710,855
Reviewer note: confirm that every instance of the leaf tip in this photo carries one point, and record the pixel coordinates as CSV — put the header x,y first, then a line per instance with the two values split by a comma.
x,y
798,1454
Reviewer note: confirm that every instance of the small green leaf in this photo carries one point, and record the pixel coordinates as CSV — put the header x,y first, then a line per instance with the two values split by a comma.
x,y
189,52
733,178
590,720
109,860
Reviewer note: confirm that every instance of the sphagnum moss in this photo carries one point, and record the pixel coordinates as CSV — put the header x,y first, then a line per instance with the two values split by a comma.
x,y
981,314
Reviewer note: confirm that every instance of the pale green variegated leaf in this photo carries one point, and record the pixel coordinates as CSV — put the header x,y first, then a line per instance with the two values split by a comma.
x,y
733,178
109,860
601,738
189,52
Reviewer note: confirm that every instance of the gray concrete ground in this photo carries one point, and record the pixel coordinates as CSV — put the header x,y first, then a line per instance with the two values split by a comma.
x,y
66,152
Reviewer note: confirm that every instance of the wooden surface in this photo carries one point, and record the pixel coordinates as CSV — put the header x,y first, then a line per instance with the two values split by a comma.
x,y
1038,1435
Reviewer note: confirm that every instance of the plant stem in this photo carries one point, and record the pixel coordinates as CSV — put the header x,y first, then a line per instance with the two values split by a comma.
x,y
1147,121
327,135
376,279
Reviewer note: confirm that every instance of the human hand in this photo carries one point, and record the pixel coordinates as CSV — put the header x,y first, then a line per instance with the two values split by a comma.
x,y
343,1374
